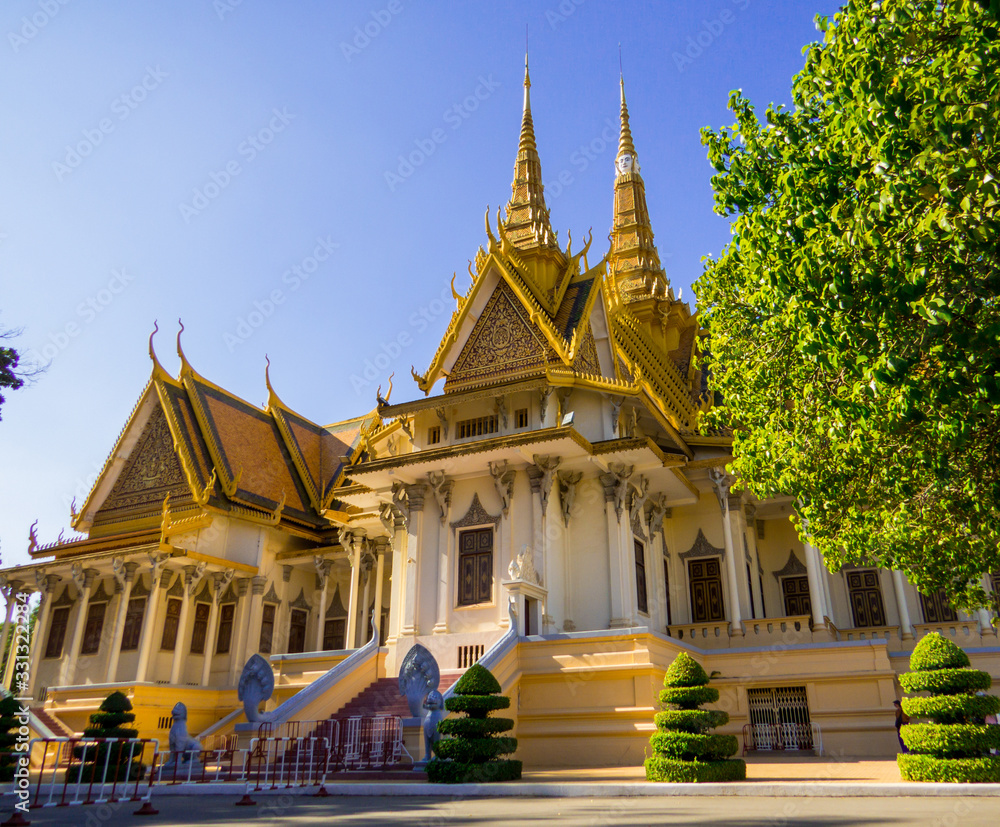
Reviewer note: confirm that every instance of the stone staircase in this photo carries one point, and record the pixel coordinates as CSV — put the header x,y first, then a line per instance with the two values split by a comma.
x,y
383,698
59,729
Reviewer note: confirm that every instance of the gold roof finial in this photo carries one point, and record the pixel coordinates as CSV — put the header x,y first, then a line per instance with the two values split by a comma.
x,y
625,145
527,223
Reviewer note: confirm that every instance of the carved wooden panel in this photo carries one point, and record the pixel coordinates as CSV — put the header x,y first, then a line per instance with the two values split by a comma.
x,y
866,598
705,578
501,342
152,470
586,356
795,592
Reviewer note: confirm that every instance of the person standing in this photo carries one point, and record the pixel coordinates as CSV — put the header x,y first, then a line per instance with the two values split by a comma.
x,y
901,719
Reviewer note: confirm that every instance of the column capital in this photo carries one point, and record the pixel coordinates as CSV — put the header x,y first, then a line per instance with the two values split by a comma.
x,y
415,494
258,581
286,573
722,482
242,586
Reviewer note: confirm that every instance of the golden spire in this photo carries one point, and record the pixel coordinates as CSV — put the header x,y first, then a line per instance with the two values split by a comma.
x,y
633,262
527,222
625,145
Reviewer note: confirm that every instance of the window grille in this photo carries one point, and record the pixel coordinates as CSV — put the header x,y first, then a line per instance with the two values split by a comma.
x,y
480,426
468,655
779,716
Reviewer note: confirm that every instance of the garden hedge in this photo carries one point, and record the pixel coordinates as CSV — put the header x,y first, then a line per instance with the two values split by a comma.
x,y
682,749
956,745
115,710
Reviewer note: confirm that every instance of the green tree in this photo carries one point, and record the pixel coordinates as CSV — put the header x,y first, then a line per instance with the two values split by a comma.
x,y
854,318
13,373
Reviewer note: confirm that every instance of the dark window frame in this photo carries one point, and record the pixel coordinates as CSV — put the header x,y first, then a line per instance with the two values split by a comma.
x,y
641,589
224,634
93,628
171,625
132,633
58,623
298,623
266,642
474,561
199,627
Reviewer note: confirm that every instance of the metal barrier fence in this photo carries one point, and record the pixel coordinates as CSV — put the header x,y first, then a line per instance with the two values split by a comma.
x,y
356,742
91,768
296,754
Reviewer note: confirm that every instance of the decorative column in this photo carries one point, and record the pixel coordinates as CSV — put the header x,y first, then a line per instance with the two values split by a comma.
x,y
615,482
899,587
15,587
415,494
125,575
816,596
367,561
46,586
568,481
83,579
983,615
395,523
191,582
323,576
9,589
722,485
257,585
750,533
237,648
351,540
441,487
220,580
544,478
279,644
382,548
157,574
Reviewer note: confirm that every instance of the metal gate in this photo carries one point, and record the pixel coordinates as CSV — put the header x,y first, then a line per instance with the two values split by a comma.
x,y
779,718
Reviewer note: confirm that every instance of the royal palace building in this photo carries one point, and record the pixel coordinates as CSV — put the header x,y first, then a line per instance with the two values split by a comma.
x,y
549,503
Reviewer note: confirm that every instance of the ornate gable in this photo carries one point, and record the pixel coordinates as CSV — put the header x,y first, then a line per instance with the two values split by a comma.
x,y
502,344
151,471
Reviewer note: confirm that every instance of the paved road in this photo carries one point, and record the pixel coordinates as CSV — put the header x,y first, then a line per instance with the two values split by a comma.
x,y
529,812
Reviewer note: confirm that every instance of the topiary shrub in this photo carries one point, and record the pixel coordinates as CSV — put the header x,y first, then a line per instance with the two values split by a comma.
x,y
956,745
683,750
471,750
109,761
8,758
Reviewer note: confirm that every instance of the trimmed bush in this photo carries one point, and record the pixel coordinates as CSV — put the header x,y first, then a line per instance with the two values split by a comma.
x,y
956,745
682,749
471,750
952,709
929,768
946,681
97,766
8,757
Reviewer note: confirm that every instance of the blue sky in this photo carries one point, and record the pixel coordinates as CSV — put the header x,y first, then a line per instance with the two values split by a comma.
x,y
301,179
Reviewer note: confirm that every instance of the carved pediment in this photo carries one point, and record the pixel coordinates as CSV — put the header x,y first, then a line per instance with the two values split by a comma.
x,y
300,602
139,588
64,599
99,595
476,515
177,588
502,341
794,566
272,596
702,548
336,607
151,471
